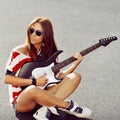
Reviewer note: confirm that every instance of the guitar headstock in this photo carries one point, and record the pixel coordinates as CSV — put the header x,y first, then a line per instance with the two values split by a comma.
x,y
106,41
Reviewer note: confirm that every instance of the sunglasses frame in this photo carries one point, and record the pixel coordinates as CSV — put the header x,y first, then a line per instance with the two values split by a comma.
x,y
37,32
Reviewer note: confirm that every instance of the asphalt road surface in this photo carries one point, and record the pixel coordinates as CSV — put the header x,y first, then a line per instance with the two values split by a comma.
x,y
78,24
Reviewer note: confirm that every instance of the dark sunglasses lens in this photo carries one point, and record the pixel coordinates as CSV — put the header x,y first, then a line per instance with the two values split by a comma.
x,y
38,32
32,30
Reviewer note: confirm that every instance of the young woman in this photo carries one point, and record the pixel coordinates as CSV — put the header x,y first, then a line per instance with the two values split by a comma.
x,y
39,46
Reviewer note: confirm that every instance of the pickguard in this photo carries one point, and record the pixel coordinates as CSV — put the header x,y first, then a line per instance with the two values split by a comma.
x,y
39,71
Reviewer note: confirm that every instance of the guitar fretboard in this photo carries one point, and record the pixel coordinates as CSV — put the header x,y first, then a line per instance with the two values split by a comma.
x,y
72,59
90,49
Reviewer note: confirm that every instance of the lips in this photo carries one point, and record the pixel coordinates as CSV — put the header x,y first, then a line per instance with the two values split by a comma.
x,y
32,40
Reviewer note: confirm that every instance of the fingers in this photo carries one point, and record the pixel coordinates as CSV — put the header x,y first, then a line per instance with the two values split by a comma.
x,y
78,56
42,80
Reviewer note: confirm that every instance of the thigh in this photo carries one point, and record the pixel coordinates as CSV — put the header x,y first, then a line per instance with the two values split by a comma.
x,y
54,88
25,102
70,78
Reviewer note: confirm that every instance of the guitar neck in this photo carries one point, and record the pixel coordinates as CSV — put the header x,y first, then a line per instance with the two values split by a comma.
x,y
72,59
90,49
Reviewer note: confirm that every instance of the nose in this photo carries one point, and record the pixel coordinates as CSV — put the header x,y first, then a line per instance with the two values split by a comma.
x,y
33,34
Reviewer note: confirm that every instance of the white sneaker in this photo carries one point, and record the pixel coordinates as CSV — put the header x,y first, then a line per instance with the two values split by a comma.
x,y
40,114
53,110
44,113
75,110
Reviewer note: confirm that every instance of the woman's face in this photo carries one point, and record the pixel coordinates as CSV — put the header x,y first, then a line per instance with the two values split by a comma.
x,y
36,34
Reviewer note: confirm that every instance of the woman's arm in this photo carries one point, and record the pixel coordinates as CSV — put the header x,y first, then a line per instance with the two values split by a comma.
x,y
73,67
17,81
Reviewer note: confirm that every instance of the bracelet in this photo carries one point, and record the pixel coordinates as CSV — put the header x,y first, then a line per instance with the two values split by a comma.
x,y
33,81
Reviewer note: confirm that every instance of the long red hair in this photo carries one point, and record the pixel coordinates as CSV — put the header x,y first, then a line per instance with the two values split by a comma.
x,y
49,45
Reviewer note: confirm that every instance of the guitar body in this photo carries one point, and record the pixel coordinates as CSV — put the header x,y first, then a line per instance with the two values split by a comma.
x,y
37,69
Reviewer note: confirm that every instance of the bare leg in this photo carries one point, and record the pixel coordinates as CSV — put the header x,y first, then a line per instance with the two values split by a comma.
x,y
53,96
31,96
66,87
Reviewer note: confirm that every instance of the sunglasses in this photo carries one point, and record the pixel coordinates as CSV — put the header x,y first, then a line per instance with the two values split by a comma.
x,y
37,32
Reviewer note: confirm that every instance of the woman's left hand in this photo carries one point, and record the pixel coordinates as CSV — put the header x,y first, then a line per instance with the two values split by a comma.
x,y
79,57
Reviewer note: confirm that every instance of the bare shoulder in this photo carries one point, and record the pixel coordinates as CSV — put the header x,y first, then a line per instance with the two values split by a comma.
x,y
23,49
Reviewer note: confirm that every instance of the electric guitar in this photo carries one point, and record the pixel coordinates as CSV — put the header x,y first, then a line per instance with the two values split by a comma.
x,y
50,67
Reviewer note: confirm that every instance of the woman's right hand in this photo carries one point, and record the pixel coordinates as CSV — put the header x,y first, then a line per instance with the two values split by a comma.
x,y
42,80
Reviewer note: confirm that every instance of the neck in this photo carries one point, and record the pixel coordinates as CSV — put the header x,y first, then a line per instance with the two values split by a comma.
x,y
38,47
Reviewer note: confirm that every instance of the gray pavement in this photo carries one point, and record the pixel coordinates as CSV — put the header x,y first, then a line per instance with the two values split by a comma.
x,y
78,24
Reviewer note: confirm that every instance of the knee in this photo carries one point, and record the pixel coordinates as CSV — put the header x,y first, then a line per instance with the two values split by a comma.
x,y
31,90
77,77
